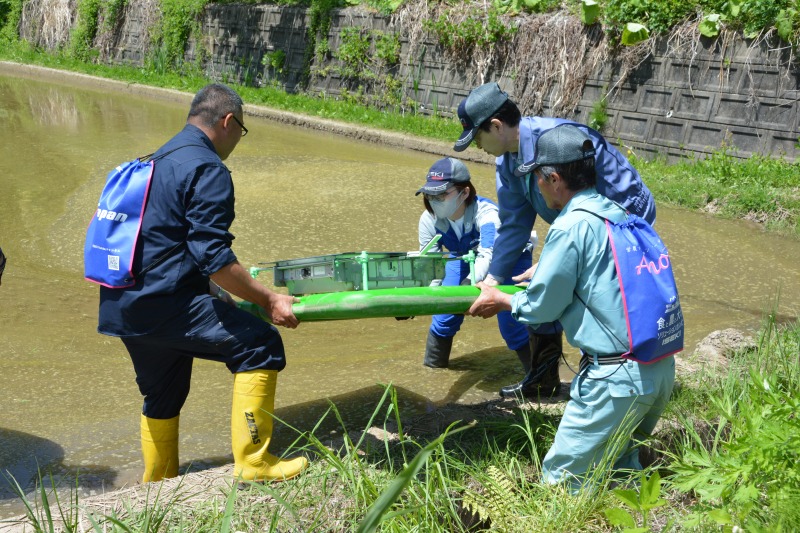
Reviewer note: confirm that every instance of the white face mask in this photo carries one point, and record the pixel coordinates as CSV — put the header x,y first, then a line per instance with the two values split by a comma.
x,y
447,207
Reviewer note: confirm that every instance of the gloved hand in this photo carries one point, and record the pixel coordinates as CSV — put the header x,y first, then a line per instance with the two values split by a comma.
x,y
482,263
533,242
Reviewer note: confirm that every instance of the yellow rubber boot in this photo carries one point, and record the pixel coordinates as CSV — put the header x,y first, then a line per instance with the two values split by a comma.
x,y
251,429
159,448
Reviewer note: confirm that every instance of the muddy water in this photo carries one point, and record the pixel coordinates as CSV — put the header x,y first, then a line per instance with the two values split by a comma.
x,y
69,401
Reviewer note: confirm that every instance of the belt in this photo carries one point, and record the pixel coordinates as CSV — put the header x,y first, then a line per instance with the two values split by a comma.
x,y
588,359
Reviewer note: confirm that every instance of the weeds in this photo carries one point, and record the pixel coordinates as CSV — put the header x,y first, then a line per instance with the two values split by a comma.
x,y
647,499
85,30
760,188
39,512
746,473
598,117
10,16
742,472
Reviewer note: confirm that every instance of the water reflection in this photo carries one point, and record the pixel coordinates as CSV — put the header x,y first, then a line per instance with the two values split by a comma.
x,y
299,194
54,108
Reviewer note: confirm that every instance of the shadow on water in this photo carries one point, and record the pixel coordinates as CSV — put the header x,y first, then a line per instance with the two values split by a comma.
x,y
29,462
21,457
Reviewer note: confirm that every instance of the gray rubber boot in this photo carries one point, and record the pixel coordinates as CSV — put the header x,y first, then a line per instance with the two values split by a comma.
x,y
437,351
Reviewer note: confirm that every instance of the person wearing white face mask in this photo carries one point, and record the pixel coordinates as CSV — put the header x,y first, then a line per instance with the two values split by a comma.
x,y
465,222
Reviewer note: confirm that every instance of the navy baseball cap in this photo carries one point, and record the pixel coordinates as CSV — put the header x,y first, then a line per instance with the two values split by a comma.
x,y
443,174
565,143
477,108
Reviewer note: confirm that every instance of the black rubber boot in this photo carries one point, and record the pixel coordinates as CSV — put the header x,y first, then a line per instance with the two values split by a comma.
x,y
437,351
524,355
543,379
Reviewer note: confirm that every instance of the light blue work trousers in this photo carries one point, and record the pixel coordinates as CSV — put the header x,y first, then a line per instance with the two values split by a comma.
x,y
601,397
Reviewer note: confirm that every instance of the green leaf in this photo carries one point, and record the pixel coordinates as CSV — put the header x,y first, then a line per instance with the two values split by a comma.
x,y
735,6
693,520
720,516
650,488
590,10
746,493
634,33
229,508
783,23
629,498
619,517
710,25
650,492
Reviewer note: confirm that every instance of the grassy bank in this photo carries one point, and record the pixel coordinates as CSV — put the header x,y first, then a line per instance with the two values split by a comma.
x,y
728,450
763,189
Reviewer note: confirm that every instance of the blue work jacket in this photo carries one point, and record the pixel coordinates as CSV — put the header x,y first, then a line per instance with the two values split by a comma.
x,y
185,225
520,201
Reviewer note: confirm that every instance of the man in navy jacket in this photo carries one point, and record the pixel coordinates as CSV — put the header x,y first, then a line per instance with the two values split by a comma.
x,y
177,310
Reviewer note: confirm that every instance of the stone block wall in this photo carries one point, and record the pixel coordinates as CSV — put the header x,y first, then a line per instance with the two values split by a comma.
x,y
742,96
690,99
236,38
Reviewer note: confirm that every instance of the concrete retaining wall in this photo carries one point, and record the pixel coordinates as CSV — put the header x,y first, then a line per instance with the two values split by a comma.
x,y
679,101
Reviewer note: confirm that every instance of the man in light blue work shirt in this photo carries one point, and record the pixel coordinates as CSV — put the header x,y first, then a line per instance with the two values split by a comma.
x,y
576,284
494,123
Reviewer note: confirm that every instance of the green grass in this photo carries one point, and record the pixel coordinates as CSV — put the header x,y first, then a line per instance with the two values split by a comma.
x,y
731,441
739,455
759,188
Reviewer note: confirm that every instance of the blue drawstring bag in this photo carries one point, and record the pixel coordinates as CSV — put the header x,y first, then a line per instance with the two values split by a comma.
x,y
649,294
108,252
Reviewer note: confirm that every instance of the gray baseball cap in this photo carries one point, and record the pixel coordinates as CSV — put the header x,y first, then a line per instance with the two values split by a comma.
x,y
443,174
481,103
563,144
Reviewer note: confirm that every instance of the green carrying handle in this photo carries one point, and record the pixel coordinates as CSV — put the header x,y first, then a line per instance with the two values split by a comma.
x,y
381,303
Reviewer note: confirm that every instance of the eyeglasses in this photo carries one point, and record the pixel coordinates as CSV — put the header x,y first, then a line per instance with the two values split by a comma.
x,y
239,122
439,197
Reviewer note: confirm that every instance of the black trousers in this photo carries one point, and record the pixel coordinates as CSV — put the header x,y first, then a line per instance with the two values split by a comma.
x,y
210,329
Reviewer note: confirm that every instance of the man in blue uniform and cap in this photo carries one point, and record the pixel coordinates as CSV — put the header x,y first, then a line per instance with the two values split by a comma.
x,y
576,283
495,124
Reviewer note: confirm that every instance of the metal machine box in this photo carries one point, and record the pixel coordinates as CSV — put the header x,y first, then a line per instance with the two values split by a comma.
x,y
358,271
